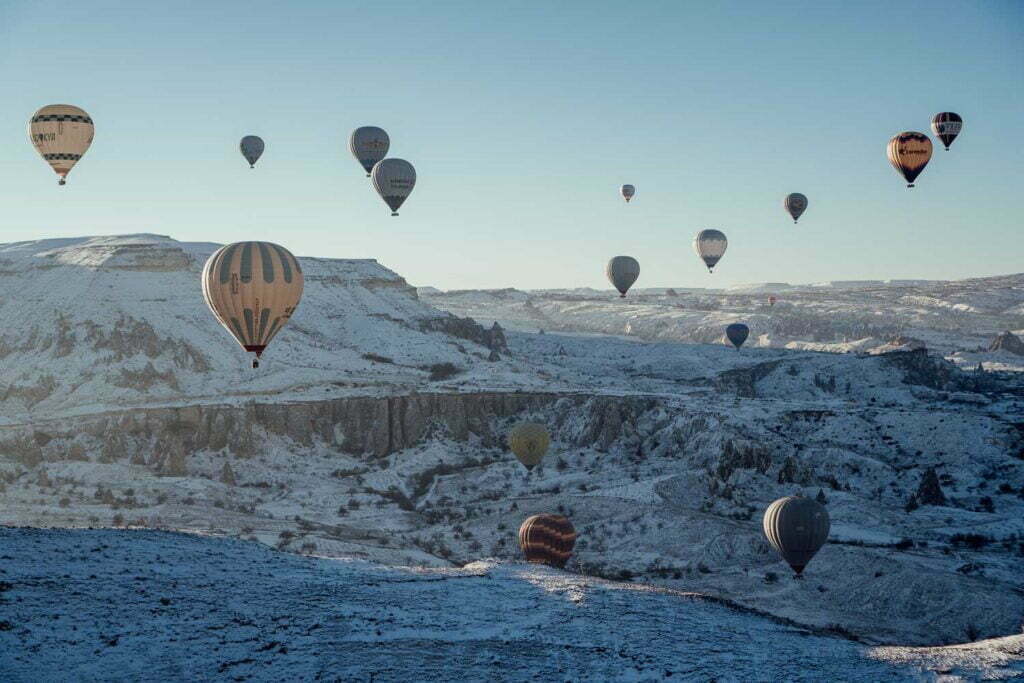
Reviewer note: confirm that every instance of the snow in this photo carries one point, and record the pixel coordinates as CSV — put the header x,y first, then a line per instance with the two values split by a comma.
x,y
143,605
122,402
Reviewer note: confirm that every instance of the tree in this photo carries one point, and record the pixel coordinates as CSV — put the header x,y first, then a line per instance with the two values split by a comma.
x,y
929,492
227,475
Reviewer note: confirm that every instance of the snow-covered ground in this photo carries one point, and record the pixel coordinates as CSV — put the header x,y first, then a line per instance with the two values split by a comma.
x,y
123,403
143,605
955,318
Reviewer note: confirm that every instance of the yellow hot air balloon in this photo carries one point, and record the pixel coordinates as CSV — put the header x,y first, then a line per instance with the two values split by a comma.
x,y
61,134
529,441
253,288
909,152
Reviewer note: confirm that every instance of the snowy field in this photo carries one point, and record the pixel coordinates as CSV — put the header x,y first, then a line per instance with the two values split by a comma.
x,y
142,605
955,318
375,432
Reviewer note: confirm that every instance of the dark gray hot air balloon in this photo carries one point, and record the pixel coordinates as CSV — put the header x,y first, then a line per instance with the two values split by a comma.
x,y
946,126
710,246
623,272
393,180
737,334
909,153
369,144
795,204
627,192
796,527
252,149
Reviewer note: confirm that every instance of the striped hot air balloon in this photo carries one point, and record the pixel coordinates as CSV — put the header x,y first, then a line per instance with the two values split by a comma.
x,y
253,288
909,152
796,527
710,246
61,134
547,539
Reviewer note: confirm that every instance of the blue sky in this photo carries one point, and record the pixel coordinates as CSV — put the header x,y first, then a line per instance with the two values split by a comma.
x,y
522,120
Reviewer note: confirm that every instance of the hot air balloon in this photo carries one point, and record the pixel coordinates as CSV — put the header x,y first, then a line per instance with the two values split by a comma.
x,y
61,134
946,126
797,527
252,288
627,192
369,144
795,203
529,441
772,300
394,180
623,272
909,153
547,539
710,245
737,334
251,147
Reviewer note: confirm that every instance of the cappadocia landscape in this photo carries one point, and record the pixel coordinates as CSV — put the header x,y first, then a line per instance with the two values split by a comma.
x,y
531,342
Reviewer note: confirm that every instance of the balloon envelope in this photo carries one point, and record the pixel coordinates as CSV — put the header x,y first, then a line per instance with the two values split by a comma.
x,y
946,126
909,153
369,144
253,288
623,271
547,539
710,246
251,147
797,528
737,334
61,133
529,442
393,179
627,192
795,204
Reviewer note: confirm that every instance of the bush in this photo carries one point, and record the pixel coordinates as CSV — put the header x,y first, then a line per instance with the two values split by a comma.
x,y
972,541
441,371
904,544
771,577
378,359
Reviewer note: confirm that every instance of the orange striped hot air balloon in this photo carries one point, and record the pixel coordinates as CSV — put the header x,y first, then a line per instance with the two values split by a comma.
x,y
252,288
547,539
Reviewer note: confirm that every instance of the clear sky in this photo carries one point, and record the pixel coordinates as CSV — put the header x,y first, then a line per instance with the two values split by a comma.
x,y
522,120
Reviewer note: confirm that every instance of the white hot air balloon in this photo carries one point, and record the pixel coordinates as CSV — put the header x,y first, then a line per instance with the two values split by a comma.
x,y
627,192
393,180
369,144
710,245
61,134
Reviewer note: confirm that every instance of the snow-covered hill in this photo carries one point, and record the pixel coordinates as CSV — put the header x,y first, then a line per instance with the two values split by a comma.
x,y
351,442
159,606
956,318
92,323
